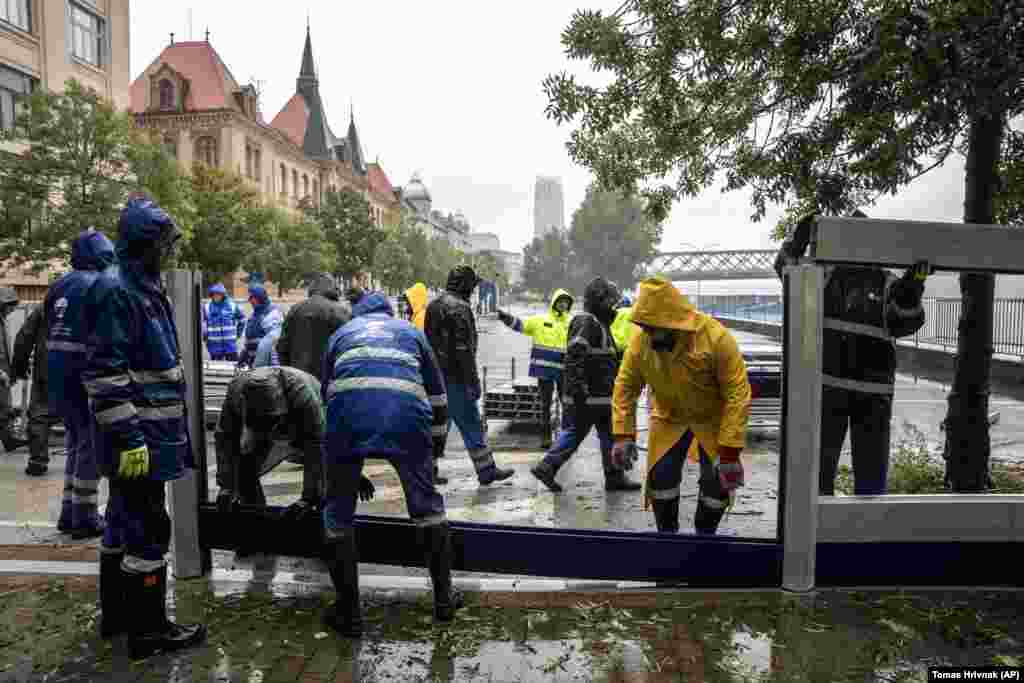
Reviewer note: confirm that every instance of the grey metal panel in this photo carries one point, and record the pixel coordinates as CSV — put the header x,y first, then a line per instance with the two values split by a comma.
x,y
943,517
184,493
895,244
802,426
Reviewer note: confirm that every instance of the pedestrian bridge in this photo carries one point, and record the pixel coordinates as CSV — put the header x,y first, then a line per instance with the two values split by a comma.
x,y
743,264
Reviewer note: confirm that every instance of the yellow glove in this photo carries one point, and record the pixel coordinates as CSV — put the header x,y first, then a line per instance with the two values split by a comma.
x,y
134,463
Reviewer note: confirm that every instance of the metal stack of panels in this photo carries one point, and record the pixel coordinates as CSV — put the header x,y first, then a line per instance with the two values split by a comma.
x,y
515,401
216,377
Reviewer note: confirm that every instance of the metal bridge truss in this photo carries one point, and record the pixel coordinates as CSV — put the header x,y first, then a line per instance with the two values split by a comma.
x,y
746,264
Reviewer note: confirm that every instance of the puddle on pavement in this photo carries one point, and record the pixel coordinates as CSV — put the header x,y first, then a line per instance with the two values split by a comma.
x,y
257,635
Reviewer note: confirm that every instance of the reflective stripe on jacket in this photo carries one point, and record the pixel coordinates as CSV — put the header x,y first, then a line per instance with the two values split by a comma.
x,y
223,323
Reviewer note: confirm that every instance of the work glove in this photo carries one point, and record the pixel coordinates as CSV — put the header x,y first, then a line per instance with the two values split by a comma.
x,y
506,318
919,272
134,463
625,454
299,510
226,501
730,468
366,489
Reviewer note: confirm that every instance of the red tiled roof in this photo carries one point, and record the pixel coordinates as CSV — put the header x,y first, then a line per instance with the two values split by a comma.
x,y
378,180
211,85
292,118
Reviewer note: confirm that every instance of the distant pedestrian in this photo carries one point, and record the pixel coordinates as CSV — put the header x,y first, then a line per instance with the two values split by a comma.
x,y
266,352
223,324
265,317
451,330
11,442
416,305
309,325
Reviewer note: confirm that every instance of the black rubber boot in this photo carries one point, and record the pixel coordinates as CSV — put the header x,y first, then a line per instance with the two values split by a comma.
x,y
707,518
152,631
13,442
666,515
439,557
546,473
438,479
345,615
616,480
38,454
111,595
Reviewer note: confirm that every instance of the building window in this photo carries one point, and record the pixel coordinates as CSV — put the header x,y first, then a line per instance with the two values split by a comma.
x,y
166,95
206,150
316,192
88,36
284,181
248,161
305,185
171,146
13,85
295,183
257,171
15,12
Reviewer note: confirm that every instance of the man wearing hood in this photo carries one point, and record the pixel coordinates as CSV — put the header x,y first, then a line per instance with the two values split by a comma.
x,y
701,402
265,317
268,414
549,332
591,363
136,384
30,350
385,397
415,299
223,324
866,310
68,322
8,302
310,324
451,330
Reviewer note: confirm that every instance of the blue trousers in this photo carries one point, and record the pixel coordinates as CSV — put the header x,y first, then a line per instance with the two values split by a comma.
x,y
78,508
576,425
664,488
464,412
425,504
138,524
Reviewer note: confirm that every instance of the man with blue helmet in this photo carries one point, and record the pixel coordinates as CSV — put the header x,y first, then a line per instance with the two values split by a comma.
x,y
266,317
223,324
136,384
385,396
68,322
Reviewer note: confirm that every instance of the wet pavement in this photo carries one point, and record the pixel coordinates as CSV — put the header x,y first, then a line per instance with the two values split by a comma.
x,y
47,631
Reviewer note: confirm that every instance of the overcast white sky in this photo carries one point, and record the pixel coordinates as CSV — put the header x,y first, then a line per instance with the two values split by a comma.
x,y
453,88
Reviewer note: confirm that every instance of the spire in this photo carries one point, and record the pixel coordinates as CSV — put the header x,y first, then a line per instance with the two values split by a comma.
x,y
308,69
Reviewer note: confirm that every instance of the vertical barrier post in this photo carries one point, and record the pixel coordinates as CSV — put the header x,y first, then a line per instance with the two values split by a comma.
x,y
184,493
801,425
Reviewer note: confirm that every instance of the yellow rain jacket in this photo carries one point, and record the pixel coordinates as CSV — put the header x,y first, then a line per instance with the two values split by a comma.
x,y
550,334
417,296
700,385
623,328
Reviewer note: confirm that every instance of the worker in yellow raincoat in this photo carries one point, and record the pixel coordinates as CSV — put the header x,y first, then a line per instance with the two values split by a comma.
x,y
622,327
701,402
415,299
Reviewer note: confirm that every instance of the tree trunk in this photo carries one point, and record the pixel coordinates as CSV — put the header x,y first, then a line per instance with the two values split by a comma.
x,y
968,444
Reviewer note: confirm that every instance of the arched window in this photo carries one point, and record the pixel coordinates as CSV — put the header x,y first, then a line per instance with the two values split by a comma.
x,y
316,192
171,146
305,185
284,181
295,183
206,150
166,95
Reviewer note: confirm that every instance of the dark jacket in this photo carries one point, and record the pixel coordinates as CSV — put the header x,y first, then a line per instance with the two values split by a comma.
x,y
865,310
451,329
133,373
384,392
304,423
30,347
592,359
309,325
69,322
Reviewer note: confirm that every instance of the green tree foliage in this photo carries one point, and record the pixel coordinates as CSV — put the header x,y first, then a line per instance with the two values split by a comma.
x,y
75,171
412,238
443,257
611,237
160,175
546,263
344,217
222,229
489,267
392,265
823,104
291,248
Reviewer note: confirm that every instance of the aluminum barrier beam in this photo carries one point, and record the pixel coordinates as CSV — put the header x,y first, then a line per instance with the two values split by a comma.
x,y
801,420
190,560
719,562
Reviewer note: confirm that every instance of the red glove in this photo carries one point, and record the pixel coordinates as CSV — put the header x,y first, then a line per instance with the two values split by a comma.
x,y
730,468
